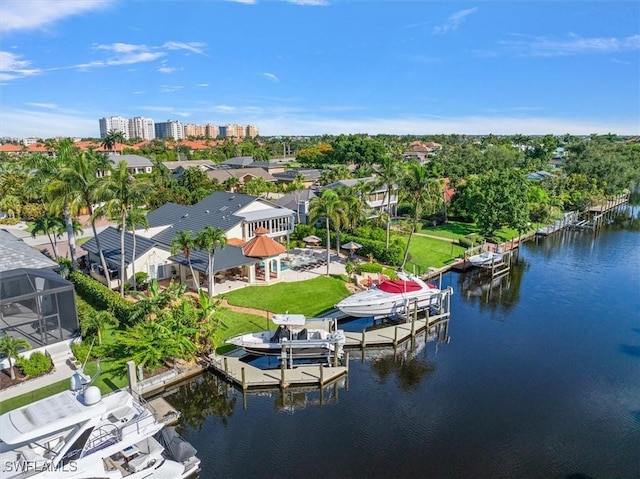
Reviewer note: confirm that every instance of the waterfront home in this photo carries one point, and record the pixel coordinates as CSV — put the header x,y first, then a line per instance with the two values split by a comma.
x,y
241,217
376,198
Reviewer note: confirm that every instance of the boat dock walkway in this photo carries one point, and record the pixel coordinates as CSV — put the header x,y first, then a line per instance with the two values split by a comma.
x,y
246,376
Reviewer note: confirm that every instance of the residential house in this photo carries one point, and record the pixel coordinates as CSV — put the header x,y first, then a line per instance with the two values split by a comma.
x,y
310,176
299,202
376,198
244,175
136,164
239,216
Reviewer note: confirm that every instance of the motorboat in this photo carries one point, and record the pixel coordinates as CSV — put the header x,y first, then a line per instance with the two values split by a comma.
x,y
81,434
298,336
486,258
391,297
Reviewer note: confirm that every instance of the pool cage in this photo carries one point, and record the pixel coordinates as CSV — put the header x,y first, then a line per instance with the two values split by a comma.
x,y
37,305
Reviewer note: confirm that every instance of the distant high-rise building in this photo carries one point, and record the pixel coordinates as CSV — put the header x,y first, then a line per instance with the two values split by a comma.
x,y
143,128
211,131
251,131
222,131
116,123
170,129
191,129
234,131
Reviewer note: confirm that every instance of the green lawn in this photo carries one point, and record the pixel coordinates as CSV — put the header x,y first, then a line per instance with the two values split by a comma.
x,y
452,229
429,252
81,241
310,297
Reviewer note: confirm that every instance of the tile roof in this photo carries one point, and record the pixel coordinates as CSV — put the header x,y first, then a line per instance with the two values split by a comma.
x,y
110,244
228,257
261,246
239,161
15,253
132,160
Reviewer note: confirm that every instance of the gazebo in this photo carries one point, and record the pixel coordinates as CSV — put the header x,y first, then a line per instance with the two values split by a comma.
x,y
269,250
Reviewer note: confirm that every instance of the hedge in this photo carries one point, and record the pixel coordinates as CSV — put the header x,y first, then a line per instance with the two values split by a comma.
x,y
38,363
392,256
101,297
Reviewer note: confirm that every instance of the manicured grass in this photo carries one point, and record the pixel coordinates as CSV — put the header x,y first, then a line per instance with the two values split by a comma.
x,y
310,297
81,241
452,229
235,323
429,252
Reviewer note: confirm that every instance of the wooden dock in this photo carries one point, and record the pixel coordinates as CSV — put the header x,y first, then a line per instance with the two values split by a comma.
x,y
246,376
163,411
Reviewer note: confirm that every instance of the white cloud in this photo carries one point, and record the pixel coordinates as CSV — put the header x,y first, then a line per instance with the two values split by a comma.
x,y
48,106
310,3
12,66
32,14
165,69
270,76
225,108
122,54
453,22
170,88
246,2
574,45
194,47
203,85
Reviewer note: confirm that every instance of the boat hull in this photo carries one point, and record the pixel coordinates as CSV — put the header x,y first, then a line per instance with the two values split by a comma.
x,y
361,308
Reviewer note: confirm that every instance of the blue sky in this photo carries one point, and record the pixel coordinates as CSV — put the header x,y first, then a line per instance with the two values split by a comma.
x,y
308,67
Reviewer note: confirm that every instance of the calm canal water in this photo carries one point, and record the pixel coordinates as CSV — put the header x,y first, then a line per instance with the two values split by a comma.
x,y
540,379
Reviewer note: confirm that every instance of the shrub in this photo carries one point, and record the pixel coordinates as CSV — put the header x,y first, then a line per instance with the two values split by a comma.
x,y
101,297
81,350
9,221
369,268
32,211
37,364
141,277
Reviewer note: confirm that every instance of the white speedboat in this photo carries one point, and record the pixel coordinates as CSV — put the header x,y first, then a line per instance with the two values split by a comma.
x,y
486,258
391,297
81,434
296,335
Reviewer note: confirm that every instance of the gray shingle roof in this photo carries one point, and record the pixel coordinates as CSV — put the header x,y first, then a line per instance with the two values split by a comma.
x,y
228,257
15,253
215,210
167,214
289,175
132,160
238,161
110,244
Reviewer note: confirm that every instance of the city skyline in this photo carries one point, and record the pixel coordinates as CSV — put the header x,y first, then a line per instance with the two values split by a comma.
x,y
310,67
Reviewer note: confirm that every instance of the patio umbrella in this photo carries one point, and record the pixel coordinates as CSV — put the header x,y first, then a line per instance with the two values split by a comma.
x,y
351,245
311,239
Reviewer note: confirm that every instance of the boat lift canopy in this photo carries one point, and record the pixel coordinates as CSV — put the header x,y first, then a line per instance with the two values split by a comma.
x,y
286,319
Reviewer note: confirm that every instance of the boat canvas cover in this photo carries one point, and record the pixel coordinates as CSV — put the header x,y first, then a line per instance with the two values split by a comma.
x,y
179,449
45,417
399,286
294,319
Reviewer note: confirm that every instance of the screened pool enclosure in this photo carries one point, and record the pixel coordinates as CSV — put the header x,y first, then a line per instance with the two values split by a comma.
x,y
37,305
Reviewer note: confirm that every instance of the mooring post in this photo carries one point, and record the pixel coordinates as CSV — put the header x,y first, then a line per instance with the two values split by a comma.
x,y
363,342
395,336
282,379
321,375
346,361
244,400
226,367
413,319
244,380
335,356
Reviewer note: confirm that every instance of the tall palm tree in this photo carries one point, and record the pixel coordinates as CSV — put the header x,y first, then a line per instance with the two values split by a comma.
x,y
111,140
348,203
52,226
325,206
425,194
296,187
76,187
185,241
10,346
208,240
388,172
122,191
135,217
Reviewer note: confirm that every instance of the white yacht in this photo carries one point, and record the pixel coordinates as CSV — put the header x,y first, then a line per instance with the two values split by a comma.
x,y
390,297
82,434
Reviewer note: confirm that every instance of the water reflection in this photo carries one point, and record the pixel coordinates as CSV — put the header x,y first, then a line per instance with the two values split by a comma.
x,y
478,287
205,396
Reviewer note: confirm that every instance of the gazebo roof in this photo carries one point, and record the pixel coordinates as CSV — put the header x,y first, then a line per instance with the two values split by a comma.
x,y
261,246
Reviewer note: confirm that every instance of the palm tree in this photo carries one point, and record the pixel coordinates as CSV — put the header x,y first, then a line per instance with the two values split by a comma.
x,y
325,206
388,172
341,219
12,205
208,240
424,192
184,241
76,187
297,187
122,190
231,183
135,217
111,140
10,346
97,322
52,226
